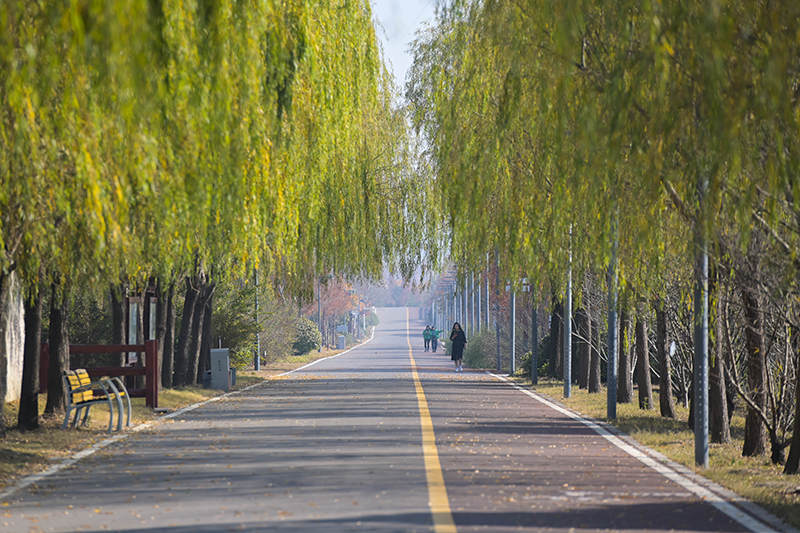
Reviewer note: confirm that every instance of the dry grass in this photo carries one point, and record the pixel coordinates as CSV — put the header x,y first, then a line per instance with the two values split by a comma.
x,y
755,478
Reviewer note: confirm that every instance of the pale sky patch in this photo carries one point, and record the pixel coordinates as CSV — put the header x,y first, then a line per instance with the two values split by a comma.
x,y
400,20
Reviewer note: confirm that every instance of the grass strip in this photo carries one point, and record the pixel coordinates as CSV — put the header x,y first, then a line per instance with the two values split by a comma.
x,y
754,478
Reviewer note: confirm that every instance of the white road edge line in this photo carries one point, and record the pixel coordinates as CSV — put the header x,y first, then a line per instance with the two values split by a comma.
x,y
91,450
312,363
716,501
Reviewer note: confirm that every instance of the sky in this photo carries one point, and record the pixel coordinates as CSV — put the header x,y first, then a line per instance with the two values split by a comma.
x,y
400,19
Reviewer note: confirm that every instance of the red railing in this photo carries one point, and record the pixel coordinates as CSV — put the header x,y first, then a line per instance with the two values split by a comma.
x,y
149,370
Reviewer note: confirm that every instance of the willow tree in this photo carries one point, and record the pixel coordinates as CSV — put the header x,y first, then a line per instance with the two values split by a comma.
x,y
61,207
658,112
184,140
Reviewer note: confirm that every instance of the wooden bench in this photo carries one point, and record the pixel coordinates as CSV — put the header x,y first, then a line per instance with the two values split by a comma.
x,y
149,370
83,393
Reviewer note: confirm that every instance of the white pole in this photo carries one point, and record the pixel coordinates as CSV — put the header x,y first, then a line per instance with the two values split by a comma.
x,y
567,365
513,332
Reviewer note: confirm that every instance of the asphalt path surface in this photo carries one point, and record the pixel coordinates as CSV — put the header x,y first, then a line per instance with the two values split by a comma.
x,y
384,438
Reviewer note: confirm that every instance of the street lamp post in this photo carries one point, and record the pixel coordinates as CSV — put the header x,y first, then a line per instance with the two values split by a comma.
x,y
534,339
567,365
257,359
611,281
480,297
319,309
497,309
513,369
466,308
472,294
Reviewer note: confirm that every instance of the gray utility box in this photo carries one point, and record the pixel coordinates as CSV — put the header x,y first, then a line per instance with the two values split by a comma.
x,y
207,378
340,344
220,369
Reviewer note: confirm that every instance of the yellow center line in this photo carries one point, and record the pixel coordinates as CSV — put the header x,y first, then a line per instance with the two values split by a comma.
x,y
437,492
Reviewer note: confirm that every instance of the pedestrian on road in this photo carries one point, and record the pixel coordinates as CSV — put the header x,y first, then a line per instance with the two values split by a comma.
x,y
435,338
426,334
459,341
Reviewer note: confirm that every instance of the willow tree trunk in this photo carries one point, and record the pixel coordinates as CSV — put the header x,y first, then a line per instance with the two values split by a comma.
x,y
181,370
555,340
584,347
643,366
59,353
29,396
755,435
166,307
197,334
205,336
718,422
118,314
793,461
594,365
139,325
194,336
5,283
161,323
665,400
624,380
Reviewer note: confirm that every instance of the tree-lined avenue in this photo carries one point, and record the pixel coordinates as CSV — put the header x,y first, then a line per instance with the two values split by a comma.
x,y
337,446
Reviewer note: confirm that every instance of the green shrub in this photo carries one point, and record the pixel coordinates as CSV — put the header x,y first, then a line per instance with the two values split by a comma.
x,y
481,350
544,365
242,355
308,337
525,364
234,325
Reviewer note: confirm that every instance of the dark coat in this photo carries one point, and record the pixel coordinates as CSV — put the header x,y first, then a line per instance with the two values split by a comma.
x,y
459,340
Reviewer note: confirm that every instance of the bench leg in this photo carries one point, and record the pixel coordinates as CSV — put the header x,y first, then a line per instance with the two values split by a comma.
x,y
110,416
119,413
66,418
77,418
116,382
130,409
119,405
85,421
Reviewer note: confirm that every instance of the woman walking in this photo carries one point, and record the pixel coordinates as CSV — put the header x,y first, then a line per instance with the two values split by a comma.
x,y
459,341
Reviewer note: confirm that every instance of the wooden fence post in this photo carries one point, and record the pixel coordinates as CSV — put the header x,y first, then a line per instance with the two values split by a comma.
x,y
151,373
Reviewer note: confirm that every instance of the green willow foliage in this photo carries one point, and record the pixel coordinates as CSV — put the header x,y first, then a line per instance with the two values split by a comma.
x,y
146,138
548,114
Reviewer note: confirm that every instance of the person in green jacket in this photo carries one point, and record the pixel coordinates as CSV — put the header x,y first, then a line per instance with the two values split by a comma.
x,y
426,334
435,338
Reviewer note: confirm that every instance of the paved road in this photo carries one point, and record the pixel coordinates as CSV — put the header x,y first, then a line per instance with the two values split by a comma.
x,y
380,439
